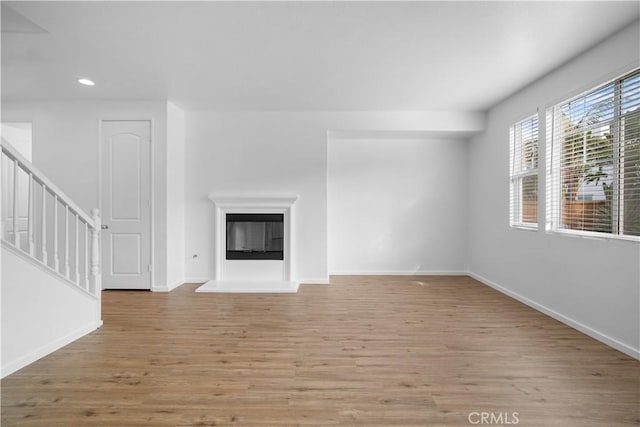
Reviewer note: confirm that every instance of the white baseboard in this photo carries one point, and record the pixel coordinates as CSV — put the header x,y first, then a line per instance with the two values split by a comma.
x,y
169,287
14,365
196,279
314,281
611,342
175,284
400,273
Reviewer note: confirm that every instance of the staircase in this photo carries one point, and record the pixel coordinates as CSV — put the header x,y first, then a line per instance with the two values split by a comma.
x,y
51,284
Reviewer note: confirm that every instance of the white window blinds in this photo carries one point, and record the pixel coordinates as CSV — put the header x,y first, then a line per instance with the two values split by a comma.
x,y
594,161
523,149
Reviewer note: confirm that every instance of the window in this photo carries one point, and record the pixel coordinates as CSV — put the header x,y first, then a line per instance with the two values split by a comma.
x,y
523,156
594,161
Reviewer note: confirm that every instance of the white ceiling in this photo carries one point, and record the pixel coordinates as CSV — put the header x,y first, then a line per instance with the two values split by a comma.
x,y
267,56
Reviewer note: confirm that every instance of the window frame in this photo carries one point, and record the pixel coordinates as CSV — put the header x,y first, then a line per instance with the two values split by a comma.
x,y
553,202
517,175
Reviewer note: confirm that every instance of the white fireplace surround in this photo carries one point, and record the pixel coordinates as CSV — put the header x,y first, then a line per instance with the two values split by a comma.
x,y
224,281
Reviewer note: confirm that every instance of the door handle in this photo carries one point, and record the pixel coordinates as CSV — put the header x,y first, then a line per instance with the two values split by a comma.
x,y
104,227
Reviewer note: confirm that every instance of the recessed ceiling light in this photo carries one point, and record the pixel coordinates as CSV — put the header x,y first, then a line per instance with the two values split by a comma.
x,y
86,82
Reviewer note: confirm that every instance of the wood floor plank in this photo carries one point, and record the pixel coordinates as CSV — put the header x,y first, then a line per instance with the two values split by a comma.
x,y
367,351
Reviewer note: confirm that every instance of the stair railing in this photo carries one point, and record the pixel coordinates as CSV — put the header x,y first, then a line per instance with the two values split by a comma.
x,y
40,221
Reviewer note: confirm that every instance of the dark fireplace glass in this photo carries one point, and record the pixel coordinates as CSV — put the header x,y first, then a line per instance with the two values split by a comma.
x,y
255,236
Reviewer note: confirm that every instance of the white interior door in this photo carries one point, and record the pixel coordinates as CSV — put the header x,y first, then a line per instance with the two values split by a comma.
x,y
126,204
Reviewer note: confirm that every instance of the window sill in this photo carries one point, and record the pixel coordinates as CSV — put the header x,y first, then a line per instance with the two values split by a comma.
x,y
594,236
524,227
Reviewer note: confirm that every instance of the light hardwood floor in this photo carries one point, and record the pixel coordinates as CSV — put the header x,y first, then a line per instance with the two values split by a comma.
x,y
368,351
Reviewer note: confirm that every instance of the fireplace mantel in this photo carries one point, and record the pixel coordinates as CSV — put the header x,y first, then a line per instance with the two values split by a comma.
x,y
225,277
237,202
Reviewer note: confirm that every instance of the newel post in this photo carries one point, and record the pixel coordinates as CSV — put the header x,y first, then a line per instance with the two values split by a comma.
x,y
96,281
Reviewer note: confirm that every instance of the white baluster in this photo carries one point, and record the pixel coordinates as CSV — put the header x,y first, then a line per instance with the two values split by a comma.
x,y
96,282
16,240
86,256
4,216
67,270
44,224
77,257
56,258
30,210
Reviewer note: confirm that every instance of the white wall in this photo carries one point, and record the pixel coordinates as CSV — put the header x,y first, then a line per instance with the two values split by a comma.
x,y
397,206
19,136
175,196
591,284
40,313
281,152
65,148
257,154
250,153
